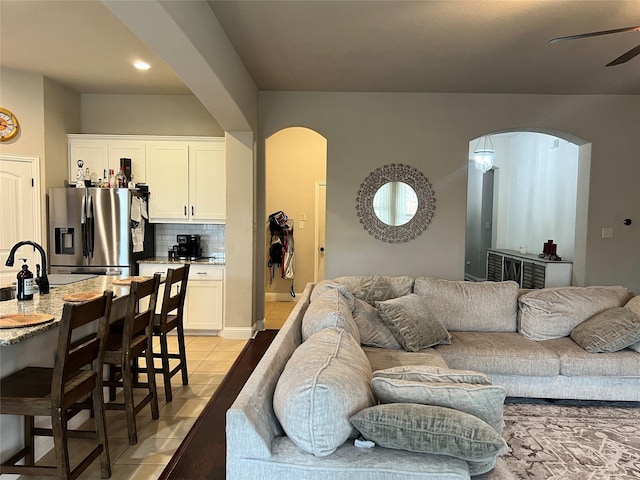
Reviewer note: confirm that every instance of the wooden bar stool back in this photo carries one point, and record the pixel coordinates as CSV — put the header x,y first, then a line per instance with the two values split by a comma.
x,y
127,341
171,318
61,392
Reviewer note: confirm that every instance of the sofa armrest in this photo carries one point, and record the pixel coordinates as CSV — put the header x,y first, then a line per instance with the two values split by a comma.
x,y
251,421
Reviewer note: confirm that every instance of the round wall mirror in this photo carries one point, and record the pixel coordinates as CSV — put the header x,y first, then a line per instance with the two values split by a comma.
x,y
395,203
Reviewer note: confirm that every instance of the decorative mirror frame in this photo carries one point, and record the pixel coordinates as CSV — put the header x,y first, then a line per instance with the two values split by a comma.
x,y
395,172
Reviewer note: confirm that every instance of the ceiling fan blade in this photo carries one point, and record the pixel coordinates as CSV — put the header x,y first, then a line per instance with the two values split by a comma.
x,y
595,34
625,57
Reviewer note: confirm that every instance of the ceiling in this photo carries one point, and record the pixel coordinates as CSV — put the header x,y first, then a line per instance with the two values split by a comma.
x,y
461,46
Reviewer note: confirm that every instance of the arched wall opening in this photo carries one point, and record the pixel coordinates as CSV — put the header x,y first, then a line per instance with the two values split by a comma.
x,y
295,167
536,191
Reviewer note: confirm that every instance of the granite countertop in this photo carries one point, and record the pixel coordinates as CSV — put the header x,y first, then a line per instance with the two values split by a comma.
x,y
217,260
52,304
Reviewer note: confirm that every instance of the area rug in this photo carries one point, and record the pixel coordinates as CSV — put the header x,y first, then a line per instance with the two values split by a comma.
x,y
572,440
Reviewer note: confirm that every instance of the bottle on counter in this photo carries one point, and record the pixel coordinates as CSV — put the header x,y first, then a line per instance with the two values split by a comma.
x,y
121,178
113,181
132,184
25,284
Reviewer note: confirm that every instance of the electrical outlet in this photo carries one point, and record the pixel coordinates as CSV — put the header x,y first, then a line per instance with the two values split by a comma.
x,y
607,232
301,224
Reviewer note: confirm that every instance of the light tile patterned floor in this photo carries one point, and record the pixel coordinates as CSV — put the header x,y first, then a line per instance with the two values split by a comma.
x,y
208,360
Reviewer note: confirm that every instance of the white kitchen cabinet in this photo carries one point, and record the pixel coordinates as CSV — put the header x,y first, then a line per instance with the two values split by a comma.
x,y
204,309
187,181
100,153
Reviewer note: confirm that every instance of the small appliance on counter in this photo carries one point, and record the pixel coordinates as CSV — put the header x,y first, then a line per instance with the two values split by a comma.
x,y
188,247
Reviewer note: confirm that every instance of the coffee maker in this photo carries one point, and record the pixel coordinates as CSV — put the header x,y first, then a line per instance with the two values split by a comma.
x,y
188,247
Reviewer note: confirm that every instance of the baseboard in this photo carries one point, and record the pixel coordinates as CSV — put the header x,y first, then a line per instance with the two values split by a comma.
x,y
279,297
239,333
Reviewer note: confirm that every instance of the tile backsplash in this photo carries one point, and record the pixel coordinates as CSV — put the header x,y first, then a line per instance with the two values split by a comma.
x,y
212,237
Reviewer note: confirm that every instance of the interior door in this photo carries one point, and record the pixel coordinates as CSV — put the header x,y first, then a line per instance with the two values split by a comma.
x,y
20,212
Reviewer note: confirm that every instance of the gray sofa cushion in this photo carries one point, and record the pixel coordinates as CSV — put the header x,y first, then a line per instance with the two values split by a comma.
x,y
553,312
372,290
634,306
326,381
575,361
471,306
482,401
431,429
382,358
330,309
503,353
412,322
373,331
608,331
400,285
423,373
325,285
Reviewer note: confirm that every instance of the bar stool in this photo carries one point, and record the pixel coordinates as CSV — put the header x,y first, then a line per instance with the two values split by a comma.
x,y
171,318
127,340
61,392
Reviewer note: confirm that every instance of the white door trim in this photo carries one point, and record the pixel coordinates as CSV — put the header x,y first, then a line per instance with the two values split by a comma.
x,y
318,212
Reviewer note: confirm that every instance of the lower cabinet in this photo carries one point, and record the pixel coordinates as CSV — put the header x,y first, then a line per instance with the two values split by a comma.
x,y
528,270
204,307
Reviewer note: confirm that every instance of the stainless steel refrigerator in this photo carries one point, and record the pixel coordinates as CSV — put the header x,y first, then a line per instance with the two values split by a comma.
x,y
90,231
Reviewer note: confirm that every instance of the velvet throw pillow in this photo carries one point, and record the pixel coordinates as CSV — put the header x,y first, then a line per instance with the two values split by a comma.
x,y
482,401
608,331
373,331
431,429
412,323
375,289
427,373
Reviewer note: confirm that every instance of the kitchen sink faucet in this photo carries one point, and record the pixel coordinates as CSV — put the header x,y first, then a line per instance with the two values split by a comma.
x,y
41,281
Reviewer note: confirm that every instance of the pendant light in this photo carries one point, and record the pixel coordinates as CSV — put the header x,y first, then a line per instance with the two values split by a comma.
x,y
483,154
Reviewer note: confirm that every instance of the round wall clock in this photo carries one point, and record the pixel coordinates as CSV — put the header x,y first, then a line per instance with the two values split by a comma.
x,y
8,125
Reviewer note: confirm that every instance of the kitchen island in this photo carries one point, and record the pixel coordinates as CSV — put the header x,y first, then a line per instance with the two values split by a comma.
x,y
35,346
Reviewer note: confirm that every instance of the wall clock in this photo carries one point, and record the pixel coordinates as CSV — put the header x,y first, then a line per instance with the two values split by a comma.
x,y
8,125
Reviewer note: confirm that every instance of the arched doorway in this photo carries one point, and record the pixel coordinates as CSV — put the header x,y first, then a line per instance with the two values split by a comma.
x,y
295,168
537,190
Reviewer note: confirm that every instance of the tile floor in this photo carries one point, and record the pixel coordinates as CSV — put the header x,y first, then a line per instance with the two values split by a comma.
x,y
208,359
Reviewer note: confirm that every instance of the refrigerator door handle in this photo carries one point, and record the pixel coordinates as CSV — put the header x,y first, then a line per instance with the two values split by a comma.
x,y
83,225
90,227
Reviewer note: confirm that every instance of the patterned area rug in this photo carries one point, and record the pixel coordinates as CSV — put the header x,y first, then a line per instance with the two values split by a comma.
x,y
572,440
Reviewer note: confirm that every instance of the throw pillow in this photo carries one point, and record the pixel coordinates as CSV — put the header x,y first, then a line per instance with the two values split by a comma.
x,y
324,383
430,429
424,373
634,305
375,289
373,331
325,285
412,323
608,331
482,401
330,309
551,313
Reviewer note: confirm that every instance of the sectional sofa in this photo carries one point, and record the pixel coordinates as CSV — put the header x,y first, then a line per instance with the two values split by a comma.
x,y
349,366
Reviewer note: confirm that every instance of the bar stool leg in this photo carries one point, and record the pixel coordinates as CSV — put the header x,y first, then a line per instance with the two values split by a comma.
x,y
182,349
101,430
127,384
29,459
151,380
166,373
60,442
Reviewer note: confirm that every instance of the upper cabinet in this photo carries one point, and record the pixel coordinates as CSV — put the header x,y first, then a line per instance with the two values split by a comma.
x,y
187,181
186,175
100,153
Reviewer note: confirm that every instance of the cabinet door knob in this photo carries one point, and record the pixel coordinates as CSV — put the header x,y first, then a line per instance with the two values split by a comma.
x,y
185,210
192,210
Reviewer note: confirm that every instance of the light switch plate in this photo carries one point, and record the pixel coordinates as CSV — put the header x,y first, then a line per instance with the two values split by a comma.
x,y
607,232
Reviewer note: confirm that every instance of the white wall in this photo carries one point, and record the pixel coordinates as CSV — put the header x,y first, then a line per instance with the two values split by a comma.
x,y
431,132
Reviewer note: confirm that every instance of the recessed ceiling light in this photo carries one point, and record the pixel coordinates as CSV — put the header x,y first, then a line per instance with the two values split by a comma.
x,y
142,65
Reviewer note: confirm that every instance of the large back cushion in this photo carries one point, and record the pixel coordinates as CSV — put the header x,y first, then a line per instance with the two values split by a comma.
x,y
401,285
325,382
553,312
471,306
329,309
